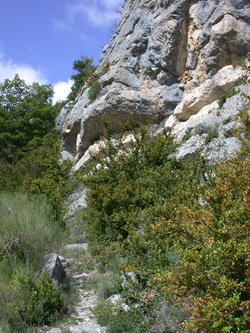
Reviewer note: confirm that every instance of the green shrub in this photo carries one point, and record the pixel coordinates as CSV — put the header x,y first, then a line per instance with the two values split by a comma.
x,y
94,90
40,303
27,301
117,320
212,271
125,189
143,206
187,136
212,134
27,233
242,62
222,98
84,69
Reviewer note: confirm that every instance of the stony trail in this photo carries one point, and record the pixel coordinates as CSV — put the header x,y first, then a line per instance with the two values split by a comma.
x,y
82,318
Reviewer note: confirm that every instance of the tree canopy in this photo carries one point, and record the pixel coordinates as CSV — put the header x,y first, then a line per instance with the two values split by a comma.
x,y
26,115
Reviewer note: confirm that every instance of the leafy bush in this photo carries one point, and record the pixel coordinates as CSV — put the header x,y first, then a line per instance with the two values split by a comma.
x,y
38,302
125,189
222,98
39,172
94,90
29,145
143,206
212,271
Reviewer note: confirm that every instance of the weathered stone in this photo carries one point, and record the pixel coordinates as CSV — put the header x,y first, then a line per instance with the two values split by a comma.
x,y
209,91
54,269
118,300
55,330
221,149
189,150
93,150
79,246
65,155
165,56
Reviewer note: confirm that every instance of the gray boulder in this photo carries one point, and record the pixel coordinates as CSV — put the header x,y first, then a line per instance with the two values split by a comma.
x,y
54,269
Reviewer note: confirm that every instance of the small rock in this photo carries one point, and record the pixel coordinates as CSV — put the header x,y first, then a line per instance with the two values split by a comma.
x,y
83,246
55,330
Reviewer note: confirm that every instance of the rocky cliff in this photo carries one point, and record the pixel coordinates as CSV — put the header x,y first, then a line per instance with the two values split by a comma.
x,y
168,62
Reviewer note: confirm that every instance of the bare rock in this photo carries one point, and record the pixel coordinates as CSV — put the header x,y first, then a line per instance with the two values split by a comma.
x,y
54,269
209,91
55,330
166,57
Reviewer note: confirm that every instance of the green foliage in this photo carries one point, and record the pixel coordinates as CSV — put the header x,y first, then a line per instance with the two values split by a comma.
x,y
26,115
24,299
125,189
222,98
29,146
39,172
40,304
242,62
29,223
22,219
119,321
84,70
212,134
143,206
212,271
94,90
187,136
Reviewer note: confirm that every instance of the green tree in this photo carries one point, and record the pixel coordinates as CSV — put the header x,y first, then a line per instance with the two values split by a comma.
x,y
84,69
26,116
29,145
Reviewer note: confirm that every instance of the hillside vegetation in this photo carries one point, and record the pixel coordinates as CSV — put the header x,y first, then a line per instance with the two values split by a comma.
x,y
33,186
170,237
181,228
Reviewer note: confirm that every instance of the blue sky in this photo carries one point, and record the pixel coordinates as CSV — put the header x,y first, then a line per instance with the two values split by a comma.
x,y
40,39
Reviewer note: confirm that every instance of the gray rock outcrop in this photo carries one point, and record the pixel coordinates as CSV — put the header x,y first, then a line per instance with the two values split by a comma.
x,y
168,59
54,269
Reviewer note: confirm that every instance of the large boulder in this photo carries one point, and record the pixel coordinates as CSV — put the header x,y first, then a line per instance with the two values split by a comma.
x,y
54,269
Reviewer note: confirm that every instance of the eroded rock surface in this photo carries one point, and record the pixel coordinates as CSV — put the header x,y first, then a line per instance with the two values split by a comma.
x,y
167,57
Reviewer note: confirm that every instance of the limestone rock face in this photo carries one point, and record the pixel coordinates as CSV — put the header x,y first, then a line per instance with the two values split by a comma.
x,y
168,58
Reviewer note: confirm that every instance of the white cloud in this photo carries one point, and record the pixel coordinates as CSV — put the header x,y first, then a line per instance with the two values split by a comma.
x,y
61,90
98,12
8,69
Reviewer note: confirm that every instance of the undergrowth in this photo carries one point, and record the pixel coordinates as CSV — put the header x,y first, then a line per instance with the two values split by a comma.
x,y
27,232
143,208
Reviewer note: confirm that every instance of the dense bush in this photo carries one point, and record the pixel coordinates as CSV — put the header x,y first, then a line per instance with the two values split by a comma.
x,y
212,272
183,229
